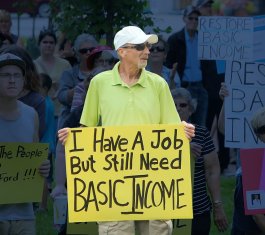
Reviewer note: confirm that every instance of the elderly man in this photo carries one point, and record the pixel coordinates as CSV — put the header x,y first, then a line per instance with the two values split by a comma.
x,y
130,95
183,49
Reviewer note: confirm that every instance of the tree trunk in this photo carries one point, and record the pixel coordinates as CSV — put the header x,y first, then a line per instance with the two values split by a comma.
x,y
109,18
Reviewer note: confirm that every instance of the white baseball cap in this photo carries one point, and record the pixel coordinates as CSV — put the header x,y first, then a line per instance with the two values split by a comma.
x,y
133,35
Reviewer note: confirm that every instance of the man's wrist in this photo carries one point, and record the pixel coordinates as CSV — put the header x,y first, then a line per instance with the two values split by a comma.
x,y
217,203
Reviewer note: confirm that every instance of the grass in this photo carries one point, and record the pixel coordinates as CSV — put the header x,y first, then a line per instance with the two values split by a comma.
x,y
45,220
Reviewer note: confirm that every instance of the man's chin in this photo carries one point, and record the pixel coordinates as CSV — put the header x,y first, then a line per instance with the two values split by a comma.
x,y
142,65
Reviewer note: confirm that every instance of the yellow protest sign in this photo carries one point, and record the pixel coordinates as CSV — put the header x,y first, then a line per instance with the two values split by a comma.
x,y
128,173
19,178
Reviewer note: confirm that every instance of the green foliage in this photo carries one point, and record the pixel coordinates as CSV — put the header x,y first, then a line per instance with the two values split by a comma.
x,y
30,5
98,17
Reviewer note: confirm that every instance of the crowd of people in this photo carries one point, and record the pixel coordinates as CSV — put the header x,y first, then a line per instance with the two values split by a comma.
x,y
85,83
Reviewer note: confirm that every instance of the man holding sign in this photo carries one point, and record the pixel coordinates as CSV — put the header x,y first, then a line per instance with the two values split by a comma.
x,y
130,95
19,124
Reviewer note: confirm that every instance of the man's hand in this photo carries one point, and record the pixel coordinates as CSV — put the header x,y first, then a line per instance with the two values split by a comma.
x,y
220,219
189,130
63,134
44,168
223,91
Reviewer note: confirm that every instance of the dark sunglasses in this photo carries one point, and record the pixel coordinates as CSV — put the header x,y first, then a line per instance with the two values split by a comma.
x,y
85,50
260,130
193,18
182,105
139,47
157,48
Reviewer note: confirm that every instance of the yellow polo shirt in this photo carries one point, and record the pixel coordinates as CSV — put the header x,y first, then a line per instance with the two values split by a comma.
x,y
149,101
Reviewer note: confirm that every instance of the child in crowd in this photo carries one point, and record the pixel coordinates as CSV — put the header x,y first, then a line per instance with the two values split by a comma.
x,y
49,134
19,123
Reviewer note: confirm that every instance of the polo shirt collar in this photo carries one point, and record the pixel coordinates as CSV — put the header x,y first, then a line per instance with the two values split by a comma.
x,y
116,79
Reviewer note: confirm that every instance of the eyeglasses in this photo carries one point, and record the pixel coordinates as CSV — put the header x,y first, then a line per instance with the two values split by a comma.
x,y
85,50
182,105
193,18
8,76
139,47
260,130
157,49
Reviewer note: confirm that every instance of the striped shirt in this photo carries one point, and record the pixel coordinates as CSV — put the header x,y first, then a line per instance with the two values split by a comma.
x,y
201,200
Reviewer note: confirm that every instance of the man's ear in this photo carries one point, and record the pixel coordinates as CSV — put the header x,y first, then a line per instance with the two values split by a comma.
x,y
121,52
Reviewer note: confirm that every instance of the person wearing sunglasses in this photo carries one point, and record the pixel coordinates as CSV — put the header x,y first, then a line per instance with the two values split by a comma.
x,y
83,45
183,50
100,59
130,95
156,65
206,171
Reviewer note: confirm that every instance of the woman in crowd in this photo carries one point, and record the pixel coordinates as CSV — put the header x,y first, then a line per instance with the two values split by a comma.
x,y
206,171
156,65
49,64
83,46
101,58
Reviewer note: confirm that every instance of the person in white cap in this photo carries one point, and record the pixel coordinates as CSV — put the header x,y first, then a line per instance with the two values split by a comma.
x,y
19,124
130,95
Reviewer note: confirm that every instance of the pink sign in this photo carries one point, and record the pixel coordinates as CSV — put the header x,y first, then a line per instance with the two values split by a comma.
x,y
253,176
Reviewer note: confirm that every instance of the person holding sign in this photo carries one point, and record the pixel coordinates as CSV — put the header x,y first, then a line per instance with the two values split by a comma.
x,y
130,95
258,125
206,172
183,49
243,224
19,123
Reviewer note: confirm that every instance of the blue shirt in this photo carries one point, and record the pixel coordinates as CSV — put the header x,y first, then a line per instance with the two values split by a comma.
x,y
50,130
192,71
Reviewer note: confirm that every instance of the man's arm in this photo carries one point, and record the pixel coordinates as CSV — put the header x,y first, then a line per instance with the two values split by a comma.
x,y
212,174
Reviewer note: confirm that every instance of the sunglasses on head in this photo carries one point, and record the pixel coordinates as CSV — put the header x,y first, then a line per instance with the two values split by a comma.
x,y
139,47
85,50
260,130
193,18
157,48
